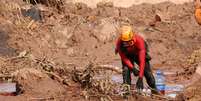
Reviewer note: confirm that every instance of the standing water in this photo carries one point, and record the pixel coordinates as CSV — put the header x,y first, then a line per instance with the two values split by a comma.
x,y
167,89
118,78
160,82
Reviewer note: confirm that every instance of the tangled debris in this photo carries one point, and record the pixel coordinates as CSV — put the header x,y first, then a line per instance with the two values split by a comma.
x,y
97,83
94,79
84,77
52,3
66,38
93,85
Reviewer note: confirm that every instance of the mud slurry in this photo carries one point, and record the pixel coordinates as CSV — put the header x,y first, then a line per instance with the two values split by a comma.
x,y
78,34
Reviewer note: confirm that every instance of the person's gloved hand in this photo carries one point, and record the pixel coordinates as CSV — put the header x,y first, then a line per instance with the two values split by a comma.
x,y
139,83
135,71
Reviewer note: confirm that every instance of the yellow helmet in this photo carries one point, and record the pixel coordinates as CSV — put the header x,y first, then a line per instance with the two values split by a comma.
x,y
126,33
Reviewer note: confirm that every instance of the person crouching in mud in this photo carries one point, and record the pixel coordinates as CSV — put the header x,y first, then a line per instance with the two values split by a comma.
x,y
132,48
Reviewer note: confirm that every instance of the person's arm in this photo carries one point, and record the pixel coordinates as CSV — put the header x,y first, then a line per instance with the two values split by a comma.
x,y
124,59
118,42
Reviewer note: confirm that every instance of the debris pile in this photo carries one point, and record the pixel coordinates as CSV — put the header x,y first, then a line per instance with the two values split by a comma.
x,y
66,35
94,84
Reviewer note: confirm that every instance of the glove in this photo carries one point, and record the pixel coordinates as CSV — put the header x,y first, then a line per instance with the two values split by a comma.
x,y
135,71
139,83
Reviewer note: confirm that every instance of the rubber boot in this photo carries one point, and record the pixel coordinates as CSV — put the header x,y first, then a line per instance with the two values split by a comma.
x,y
126,75
126,82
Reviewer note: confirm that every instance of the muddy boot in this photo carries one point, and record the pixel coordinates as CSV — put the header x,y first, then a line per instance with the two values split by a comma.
x,y
126,75
150,78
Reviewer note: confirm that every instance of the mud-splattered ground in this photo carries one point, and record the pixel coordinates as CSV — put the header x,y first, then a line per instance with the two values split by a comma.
x,y
72,35
4,48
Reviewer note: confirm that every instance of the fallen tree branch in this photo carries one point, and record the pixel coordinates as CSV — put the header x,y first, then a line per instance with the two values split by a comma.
x,y
5,76
55,76
47,98
109,67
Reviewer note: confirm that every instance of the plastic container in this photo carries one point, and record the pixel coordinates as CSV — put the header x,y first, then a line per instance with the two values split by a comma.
x,y
7,89
160,82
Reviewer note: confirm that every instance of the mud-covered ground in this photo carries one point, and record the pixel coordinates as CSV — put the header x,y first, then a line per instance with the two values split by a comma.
x,y
71,35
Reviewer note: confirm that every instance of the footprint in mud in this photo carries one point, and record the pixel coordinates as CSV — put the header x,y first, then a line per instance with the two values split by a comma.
x,y
5,50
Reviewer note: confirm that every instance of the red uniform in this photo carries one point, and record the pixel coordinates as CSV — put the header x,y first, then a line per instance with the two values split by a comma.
x,y
137,50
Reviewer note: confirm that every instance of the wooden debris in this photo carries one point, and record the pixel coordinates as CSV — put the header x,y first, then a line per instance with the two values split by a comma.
x,y
55,76
47,98
30,24
109,67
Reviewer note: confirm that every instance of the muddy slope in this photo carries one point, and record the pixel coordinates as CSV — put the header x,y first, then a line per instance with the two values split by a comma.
x,y
79,34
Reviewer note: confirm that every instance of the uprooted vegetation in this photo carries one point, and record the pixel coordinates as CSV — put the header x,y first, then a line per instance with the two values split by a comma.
x,y
95,80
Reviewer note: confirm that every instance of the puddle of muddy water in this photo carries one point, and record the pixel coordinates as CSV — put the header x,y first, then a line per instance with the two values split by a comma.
x,y
171,90
5,50
118,78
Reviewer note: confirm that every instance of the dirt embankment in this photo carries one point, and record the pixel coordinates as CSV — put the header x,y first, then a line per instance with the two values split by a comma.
x,y
127,3
70,34
78,34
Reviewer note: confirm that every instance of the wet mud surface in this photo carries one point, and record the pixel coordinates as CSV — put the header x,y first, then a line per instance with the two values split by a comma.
x,y
77,35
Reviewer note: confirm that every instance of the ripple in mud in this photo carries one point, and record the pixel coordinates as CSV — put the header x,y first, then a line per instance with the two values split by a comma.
x,y
5,50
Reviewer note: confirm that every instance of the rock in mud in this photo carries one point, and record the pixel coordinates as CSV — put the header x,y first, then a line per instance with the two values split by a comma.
x,y
33,13
106,30
37,83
